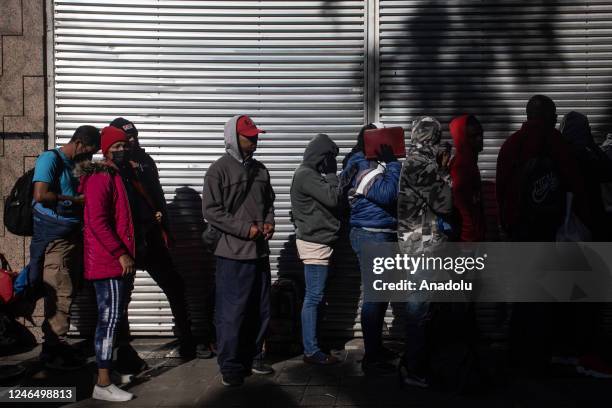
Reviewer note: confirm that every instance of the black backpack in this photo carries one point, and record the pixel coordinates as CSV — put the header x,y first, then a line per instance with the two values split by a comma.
x,y
541,194
18,205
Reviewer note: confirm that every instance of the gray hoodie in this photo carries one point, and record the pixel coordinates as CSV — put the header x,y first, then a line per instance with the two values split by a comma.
x,y
224,183
314,197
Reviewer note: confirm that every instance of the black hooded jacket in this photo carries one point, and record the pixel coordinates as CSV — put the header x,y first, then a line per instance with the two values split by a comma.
x,y
595,168
314,196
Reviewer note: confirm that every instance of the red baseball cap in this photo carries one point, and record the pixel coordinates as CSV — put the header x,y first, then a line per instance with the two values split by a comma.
x,y
245,127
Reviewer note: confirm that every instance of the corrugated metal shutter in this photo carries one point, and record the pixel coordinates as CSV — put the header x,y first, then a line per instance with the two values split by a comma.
x,y
445,58
179,70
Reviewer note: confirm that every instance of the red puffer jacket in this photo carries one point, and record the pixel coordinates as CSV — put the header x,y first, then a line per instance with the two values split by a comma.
x,y
108,228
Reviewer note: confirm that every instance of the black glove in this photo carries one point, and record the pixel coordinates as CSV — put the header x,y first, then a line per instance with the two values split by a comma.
x,y
386,154
331,165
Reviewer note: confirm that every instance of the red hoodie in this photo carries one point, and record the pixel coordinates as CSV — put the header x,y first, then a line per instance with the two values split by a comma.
x,y
521,147
466,186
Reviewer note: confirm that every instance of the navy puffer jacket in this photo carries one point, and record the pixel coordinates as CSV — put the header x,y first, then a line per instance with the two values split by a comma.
x,y
373,192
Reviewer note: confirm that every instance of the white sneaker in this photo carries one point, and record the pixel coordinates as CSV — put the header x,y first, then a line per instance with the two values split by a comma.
x,y
111,393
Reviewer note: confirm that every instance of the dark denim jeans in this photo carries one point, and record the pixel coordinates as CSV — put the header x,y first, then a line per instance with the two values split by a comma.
x,y
372,313
415,347
46,230
315,277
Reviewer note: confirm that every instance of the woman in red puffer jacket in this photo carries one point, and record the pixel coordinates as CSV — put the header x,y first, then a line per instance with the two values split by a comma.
x,y
109,249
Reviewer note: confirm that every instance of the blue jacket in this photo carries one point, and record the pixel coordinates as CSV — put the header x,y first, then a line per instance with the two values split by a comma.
x,y
373,192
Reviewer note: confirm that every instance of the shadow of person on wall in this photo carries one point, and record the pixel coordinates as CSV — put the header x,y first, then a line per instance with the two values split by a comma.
x,y
192,262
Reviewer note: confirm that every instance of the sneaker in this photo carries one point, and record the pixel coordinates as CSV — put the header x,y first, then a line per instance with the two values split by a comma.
x,y
232,380
411,379
111,393
260,368
128,361
594,366
378,368
204,352
62,357
320,358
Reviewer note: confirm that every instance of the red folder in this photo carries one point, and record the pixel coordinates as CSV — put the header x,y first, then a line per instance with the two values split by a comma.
x,y
392,136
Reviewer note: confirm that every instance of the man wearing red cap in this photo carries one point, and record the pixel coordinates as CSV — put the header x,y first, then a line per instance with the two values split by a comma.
x,y
238,203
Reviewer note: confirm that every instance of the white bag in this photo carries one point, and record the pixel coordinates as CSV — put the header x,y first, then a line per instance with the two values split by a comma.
x,y
572,230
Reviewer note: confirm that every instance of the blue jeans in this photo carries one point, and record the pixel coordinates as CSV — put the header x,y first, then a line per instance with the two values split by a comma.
x,y
46,230
372,313
110,296
315,277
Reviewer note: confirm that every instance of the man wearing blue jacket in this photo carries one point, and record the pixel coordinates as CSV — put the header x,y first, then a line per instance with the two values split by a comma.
x,y
372,195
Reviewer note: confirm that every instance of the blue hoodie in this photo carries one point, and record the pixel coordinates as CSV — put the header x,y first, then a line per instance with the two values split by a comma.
x,y
373,193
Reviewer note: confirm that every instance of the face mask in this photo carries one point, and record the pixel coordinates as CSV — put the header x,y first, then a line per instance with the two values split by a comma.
x,y
121,158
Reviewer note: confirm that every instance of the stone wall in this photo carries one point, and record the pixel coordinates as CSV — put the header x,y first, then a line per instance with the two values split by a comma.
x,y
22,103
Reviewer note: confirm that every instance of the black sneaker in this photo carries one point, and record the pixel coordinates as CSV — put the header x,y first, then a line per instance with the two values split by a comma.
x,y
260,368
411,379
128,361
378,368
232,380
62,357
320,358
204,352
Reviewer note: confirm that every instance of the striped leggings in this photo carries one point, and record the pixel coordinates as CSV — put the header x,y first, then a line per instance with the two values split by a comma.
x,y
110,296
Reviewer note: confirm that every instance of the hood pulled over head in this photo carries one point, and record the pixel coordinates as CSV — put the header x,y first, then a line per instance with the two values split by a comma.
x,y
426,131
319,148
576,130
459,133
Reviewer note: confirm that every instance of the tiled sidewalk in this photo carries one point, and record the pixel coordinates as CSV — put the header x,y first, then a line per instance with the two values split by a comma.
x,y
197,383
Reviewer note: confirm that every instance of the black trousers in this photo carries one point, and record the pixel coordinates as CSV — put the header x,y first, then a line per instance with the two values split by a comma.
x,y
157,261
242,312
